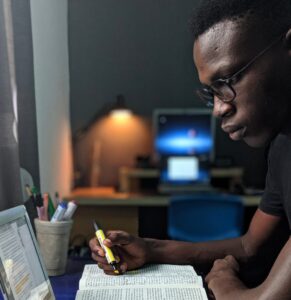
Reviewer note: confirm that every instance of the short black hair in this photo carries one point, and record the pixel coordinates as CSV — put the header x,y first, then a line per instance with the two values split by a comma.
x,y
274,16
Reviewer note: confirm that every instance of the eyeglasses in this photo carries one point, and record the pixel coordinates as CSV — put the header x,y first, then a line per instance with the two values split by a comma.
x,y
222,88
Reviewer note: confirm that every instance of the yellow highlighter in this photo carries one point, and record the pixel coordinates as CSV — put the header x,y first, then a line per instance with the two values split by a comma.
x,y
108,253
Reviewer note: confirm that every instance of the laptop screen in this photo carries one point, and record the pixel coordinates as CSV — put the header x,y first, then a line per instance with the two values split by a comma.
x,y
182,170
22,272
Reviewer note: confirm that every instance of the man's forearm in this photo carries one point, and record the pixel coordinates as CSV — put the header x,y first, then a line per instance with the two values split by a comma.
x,y
201,255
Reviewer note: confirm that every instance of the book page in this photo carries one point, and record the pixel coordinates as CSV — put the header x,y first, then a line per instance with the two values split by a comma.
x,y
153,293
127,280
150,275
147,270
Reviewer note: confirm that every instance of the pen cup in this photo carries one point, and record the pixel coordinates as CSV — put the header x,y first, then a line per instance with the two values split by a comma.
x,y
53,240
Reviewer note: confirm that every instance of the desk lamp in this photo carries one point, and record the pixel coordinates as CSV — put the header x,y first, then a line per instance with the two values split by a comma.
x,y
119,109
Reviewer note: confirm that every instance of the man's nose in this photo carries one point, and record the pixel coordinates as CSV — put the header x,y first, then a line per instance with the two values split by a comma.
x,y
221,108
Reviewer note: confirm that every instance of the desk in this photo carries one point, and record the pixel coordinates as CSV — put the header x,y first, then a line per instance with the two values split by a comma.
x,y
65,286
121,210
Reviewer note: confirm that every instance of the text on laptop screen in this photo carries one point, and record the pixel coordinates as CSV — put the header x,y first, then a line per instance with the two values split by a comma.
x,y
22,273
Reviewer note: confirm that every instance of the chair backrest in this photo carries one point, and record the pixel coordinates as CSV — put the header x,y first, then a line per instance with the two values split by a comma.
x,y
203,217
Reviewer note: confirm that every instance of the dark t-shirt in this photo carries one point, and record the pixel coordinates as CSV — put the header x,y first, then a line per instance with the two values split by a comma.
x,y
276,199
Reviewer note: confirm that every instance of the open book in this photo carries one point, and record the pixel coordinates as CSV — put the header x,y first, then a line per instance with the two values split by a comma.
x,y
154,282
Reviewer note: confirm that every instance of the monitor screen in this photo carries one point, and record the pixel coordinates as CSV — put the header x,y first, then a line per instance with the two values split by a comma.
x,y
184,145
22,272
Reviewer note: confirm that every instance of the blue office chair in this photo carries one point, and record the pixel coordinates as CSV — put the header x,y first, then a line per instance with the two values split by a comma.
x,y
204,217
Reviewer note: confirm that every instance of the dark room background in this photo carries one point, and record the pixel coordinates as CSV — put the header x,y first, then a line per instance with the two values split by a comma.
x,y
143,50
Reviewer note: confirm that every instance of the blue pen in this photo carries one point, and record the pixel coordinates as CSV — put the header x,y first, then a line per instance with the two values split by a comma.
x,y
59,213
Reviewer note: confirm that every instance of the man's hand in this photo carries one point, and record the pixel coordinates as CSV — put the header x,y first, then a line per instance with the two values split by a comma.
x,y
223,277
130,252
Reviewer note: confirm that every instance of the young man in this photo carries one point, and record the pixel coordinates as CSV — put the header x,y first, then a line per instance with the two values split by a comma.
x,y
242,52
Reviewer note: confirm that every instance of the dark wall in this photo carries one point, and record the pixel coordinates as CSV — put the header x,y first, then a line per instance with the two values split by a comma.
x,y
142,49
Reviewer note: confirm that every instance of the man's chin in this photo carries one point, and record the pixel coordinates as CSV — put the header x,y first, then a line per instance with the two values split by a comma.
x,y
256,141
238,134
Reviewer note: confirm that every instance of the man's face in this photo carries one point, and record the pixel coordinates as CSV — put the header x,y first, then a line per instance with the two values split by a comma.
x,y
258,110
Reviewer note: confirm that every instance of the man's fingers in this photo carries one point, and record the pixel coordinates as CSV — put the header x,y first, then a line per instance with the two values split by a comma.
x,y
98,250
117,238
107,268
232,261
221,268
123,267
100,265
94,245
229,262
98,258
207,278
114,238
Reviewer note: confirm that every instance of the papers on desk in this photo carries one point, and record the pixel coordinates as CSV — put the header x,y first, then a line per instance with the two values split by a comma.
x,y
153,282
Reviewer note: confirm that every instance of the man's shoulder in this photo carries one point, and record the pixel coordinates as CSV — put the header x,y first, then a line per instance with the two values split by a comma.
x,y
284,137
280,146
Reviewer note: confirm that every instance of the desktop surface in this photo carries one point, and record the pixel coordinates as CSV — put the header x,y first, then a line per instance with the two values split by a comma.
x,y
65,286
131,212
88,196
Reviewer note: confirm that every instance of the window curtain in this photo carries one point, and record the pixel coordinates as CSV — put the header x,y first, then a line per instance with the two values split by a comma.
x,y
18,140
10,190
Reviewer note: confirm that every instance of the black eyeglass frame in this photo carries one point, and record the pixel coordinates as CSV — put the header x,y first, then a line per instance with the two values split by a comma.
x,y
207,93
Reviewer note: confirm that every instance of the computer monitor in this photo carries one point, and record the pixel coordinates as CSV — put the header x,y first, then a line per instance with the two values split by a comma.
x,y
184,146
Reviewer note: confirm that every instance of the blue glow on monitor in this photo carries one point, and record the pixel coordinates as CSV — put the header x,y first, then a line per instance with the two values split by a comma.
x,y
183,142
187,134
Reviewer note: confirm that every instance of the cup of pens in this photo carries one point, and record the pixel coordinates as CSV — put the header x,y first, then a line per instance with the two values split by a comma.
x,y
53,235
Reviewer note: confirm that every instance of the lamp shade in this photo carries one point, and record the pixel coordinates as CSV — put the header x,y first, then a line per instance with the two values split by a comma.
x,y
119,109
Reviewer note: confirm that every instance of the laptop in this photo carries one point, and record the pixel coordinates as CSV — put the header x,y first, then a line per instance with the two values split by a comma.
x,y
22,270
184,174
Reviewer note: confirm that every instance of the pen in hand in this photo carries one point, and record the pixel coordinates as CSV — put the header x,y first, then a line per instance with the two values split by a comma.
x,y
108,253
